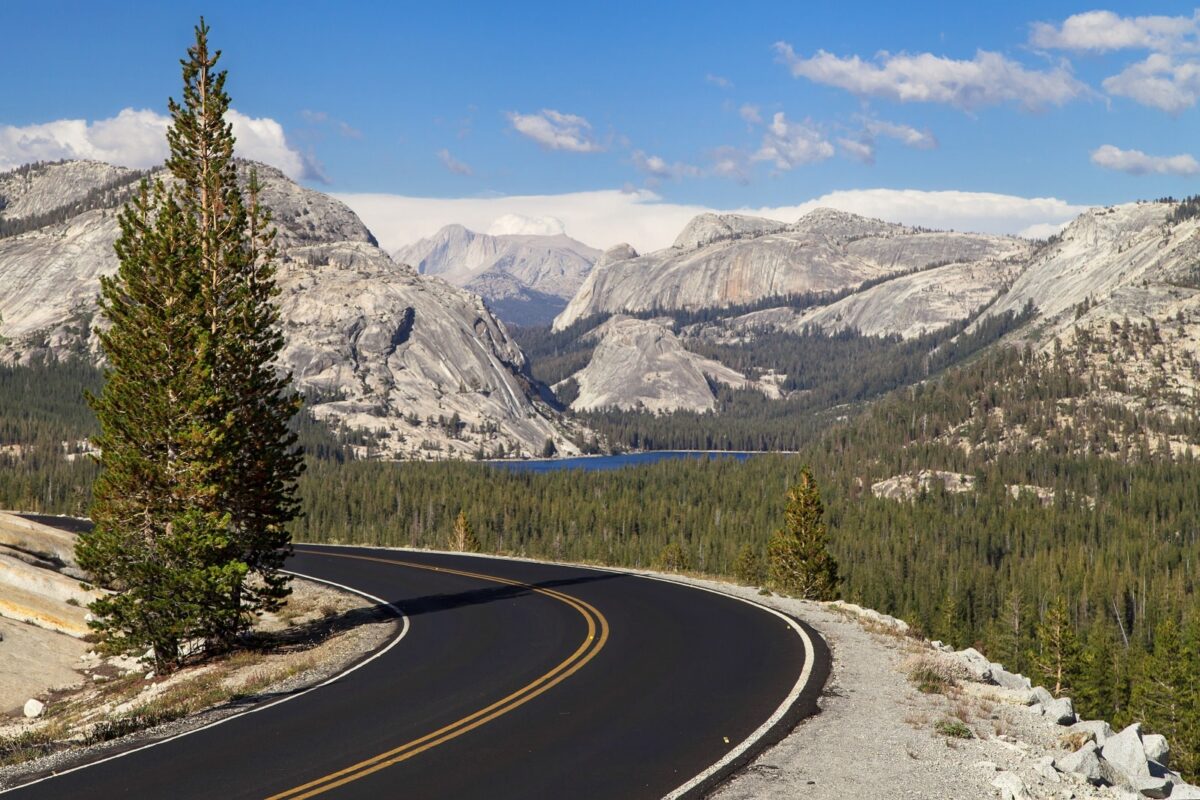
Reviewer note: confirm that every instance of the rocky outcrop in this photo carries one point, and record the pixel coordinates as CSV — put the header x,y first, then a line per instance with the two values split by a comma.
x,y
721,260
41,189
908,306
641,364
546,265
709,228
41,580
423,364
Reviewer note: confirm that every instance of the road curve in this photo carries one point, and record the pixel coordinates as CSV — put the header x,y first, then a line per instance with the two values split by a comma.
x,y
513,679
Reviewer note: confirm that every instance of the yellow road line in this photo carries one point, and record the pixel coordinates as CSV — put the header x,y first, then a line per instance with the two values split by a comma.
x,y
586,651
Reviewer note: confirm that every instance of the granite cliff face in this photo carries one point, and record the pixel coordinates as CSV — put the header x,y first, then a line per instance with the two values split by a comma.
x,y
532,275
719,260
641,364
373,344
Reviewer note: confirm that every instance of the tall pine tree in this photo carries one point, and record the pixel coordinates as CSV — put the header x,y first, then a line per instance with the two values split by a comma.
x,y
798,558
198,467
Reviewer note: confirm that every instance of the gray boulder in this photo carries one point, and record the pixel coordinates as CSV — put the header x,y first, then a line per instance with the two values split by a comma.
x,y
1125,752
1157,748
1039,696
1154,787
1061,710
1084,762
1098,728
1011,786
1009,680
34,708
1185,791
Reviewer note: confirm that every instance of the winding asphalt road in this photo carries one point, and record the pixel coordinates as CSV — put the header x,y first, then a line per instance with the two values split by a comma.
x,y
511,679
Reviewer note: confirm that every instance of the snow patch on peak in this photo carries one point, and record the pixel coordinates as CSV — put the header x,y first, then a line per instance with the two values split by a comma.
x,y
521,225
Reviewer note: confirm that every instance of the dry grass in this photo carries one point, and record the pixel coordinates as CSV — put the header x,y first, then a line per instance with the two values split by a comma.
x,y
932,674
1074,740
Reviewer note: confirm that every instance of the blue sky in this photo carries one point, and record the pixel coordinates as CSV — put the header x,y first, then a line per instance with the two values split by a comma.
x,y
673,107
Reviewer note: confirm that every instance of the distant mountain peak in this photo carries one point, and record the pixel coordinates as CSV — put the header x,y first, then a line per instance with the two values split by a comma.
x,y
707,228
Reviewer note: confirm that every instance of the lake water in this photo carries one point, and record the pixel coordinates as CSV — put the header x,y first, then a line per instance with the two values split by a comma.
x,y
594,463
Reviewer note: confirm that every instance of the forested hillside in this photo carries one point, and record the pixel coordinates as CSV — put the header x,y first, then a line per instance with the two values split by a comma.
x,y
1078,510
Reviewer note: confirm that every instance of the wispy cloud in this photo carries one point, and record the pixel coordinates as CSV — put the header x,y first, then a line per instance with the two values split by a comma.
x,y
1135,162
989,79
1103,31
321,118
137,138
555,130
791,144
453,164
718,81
751,113
659,168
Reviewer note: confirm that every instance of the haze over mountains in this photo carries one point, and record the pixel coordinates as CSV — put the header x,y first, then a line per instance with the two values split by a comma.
x,y
527,278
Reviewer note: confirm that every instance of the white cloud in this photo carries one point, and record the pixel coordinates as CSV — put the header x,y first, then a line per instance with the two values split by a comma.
x,y
606,217
453,164
1135,162
750,113
137,138
717,80
792,144
988,79
521,225
1159,82
1102,31
730,162
660,169
905,134
858,149
555,130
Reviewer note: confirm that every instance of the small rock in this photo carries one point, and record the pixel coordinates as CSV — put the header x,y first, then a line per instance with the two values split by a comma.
x,y
34,707
1011,786
1125,752
1085,763
1156,747
1098,728
1155,787
1062,711
1046,769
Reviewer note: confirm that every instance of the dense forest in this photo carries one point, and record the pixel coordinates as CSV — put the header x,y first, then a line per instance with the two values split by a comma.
x,y
1076,516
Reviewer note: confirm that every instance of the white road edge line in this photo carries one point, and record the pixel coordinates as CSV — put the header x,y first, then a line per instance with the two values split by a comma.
x,y
403,632
745,744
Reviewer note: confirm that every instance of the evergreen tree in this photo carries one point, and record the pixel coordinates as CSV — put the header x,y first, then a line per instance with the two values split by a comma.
x,y
1098,691
748,566
798,559
672,558
1164,696
463,538
1056,660
198,466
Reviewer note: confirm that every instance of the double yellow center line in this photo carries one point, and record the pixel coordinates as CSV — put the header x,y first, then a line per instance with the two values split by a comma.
x,y
597,635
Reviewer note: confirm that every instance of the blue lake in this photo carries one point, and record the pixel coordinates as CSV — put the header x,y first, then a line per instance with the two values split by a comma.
x,y
594,463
